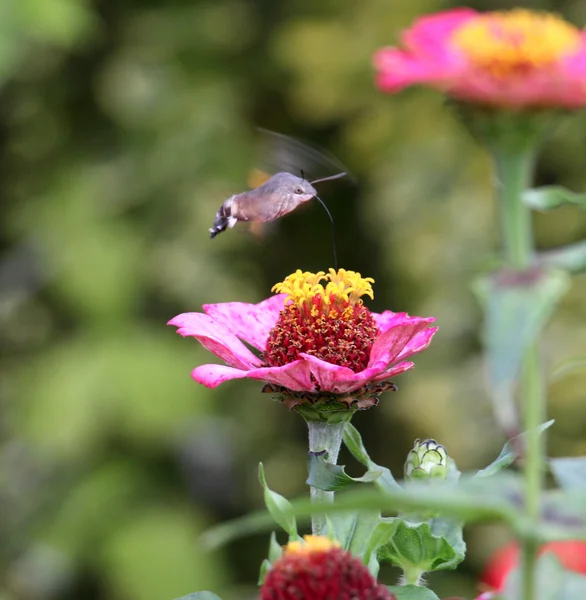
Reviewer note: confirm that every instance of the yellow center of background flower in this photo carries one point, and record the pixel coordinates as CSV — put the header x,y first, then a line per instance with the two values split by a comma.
x,y
313,543
512,42
327,321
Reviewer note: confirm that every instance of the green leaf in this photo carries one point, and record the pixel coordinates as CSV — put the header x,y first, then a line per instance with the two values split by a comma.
x,y
571,258
366,523
472,499
200,596
412,592
517,306
331,478
353,441
414,547
552,196
570,472
509,452
275,549
279,507
265,567
381,535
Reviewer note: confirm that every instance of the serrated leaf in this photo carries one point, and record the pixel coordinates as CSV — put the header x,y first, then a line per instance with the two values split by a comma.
x,y
412,592
353,441
517,307
569,472
552,196
414,547
279,507
331,478
509,453
200,596
571,258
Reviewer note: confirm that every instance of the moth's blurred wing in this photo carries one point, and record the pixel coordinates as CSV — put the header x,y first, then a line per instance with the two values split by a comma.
x,y
280,152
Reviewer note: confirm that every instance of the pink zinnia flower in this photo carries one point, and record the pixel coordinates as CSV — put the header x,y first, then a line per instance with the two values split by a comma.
x,y
319,569
515,59
311,339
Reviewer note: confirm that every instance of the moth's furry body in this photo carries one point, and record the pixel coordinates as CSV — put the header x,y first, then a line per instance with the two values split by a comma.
x,y
278,196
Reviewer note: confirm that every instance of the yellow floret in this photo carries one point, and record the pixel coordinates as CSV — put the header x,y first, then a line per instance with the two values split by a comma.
x,y
504,41
347,286
312,543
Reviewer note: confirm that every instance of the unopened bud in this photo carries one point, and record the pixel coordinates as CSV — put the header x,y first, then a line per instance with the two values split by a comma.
x,y
428,460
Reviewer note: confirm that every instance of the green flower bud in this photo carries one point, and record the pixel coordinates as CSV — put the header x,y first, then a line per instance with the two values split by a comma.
x,y
428,460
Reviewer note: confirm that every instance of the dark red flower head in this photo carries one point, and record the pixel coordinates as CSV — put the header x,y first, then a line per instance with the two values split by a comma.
x,y
319,569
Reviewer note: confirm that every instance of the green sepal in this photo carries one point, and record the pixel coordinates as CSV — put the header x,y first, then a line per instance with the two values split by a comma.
x,y
265,567
569,472
352,440
413,547
570,258
412,592
275,549
200,596
552,196
279,507
509,453
331,478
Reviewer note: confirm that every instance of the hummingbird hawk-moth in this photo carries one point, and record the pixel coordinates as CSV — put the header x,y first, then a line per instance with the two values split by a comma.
x,y
276,196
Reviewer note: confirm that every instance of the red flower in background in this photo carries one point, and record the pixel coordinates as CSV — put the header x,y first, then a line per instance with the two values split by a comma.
x,y
570,553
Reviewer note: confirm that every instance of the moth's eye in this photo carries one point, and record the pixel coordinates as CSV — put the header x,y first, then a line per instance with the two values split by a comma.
x,y
299,190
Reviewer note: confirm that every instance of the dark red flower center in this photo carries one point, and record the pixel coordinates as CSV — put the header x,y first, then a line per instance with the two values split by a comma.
x,y
341,335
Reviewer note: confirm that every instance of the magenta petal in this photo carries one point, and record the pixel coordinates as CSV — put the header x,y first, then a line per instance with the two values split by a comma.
x,y
295,376
391,343
250,322
213,375
388,319
336,379
216,338
396,370
419,342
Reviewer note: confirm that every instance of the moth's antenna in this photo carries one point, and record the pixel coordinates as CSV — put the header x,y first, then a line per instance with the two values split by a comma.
x,y
338,176
333,230
302,174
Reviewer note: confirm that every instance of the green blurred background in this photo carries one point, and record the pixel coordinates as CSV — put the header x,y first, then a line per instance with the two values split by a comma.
x,y
123,126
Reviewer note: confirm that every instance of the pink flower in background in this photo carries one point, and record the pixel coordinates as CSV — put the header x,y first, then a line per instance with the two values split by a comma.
x,y
514,59
310,338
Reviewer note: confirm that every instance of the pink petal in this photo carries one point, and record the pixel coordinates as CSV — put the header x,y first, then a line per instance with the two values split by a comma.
x,y
396,370
332,378
397,339
430,34
216,338
250,322
294,376
213,375
388,319
419,342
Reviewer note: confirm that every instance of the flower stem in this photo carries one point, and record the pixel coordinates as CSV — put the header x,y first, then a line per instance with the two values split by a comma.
x,y
514,172
324,436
